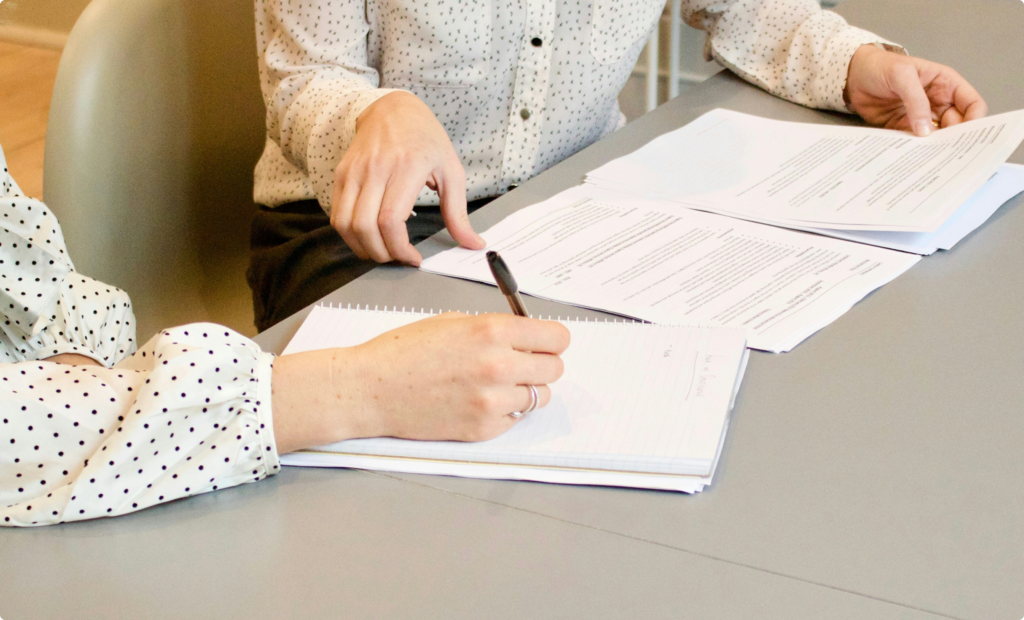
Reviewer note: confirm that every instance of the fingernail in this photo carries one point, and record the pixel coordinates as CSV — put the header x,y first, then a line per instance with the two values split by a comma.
x,y
922,128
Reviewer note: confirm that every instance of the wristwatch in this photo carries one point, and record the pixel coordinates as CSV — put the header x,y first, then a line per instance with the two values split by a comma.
x,y
885,47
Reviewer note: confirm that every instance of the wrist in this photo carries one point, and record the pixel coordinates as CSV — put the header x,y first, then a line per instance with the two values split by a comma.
x,y
311,407
861,57
385,105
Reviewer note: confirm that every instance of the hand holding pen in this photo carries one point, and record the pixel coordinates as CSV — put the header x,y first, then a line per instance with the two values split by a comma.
x,y
509,288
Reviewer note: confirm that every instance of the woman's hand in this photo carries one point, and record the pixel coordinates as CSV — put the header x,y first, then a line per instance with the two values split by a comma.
x,y
399,147
449,377
902,92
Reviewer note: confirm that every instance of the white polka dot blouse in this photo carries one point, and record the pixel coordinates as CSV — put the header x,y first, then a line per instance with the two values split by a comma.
x,y
519,85
186,414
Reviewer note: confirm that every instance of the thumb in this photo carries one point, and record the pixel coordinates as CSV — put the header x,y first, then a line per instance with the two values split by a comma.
x,y
452,192
907,84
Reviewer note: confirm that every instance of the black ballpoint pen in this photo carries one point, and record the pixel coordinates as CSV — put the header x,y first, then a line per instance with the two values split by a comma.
x,y
506,283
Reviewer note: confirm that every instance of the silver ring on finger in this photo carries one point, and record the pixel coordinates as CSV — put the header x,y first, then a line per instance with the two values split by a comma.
x,y
534,400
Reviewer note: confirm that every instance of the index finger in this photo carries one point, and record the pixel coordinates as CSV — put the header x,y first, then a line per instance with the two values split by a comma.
x,y
451,190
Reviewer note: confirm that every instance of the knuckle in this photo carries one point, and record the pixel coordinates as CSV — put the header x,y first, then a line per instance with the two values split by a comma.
x,y
389,222
483,403
344,228
372,167
489,328
341,170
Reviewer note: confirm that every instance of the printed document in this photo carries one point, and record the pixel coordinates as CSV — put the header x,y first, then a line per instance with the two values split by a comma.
x,y
1004,185
654,261
819,176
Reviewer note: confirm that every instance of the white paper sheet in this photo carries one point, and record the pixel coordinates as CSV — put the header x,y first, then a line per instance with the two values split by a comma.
x,y
1006,183
652,260
819,176
639,406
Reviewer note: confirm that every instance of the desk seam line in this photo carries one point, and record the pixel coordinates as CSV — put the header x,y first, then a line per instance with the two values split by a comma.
x,y
674,548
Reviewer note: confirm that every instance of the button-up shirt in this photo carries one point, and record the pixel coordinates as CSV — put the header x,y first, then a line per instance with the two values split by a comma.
x,y
518,85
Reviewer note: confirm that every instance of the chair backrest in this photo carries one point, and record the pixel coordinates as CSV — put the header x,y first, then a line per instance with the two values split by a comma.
x,y
155,125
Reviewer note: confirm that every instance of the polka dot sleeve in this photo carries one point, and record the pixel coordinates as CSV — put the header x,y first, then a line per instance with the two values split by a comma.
x,y
791,48
46,307
188,414
316,81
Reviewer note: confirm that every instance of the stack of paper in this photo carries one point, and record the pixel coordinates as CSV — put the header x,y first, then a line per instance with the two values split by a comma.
x,y
1004,185
654,261
639,406
876,186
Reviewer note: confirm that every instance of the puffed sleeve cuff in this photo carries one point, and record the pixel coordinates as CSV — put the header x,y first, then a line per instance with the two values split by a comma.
x,y
835,66
88,318
190,413
271,463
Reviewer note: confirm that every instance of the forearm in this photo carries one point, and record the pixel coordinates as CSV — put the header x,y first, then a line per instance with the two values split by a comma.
x,y
318,401
791,48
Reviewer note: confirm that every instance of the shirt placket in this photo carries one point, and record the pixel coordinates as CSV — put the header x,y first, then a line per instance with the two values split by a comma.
x,y
526,114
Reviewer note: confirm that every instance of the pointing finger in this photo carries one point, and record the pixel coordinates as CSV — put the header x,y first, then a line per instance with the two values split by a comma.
x,y
907,84
451,189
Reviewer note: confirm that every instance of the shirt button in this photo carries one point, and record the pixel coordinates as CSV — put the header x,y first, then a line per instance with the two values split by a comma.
x,y
524,113
513,186
536,42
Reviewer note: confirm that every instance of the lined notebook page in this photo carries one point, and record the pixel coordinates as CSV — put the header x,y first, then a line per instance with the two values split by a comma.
x,y
634,397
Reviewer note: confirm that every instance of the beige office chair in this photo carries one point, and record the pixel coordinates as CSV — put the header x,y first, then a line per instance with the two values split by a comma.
x,y
155,126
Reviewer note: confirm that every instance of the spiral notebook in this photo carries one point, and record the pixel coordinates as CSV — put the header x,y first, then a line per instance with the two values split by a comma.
x,y
639,405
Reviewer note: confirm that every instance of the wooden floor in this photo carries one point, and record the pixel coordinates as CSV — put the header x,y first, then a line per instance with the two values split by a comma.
x,y
26,82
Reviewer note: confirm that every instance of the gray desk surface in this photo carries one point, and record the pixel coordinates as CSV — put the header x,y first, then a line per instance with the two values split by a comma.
x,y
874,472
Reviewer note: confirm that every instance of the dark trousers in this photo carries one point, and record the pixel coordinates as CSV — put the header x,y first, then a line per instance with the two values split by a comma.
x,y
297,258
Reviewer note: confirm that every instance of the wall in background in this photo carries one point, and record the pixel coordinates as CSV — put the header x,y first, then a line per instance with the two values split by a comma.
x,y
693,68
43,23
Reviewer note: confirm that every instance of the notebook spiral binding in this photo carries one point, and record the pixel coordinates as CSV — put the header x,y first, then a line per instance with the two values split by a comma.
x,y
434,312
